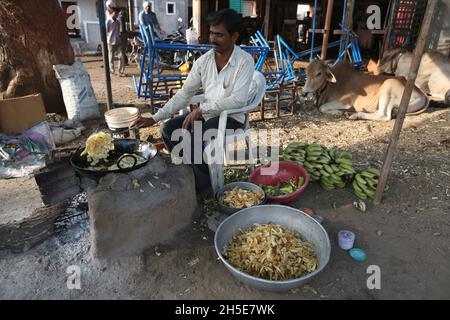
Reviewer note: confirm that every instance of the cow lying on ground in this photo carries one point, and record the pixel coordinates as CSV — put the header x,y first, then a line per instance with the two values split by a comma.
x,y
433,76
372,97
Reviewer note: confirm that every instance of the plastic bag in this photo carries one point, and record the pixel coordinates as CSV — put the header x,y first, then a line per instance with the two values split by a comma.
x,y
24,154
78,94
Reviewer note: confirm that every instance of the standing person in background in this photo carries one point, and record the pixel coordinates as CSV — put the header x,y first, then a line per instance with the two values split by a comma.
x,y
148,18
109,5
307,23
115,42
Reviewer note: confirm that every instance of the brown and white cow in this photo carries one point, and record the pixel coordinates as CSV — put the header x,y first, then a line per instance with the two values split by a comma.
x,y
342,88
433,76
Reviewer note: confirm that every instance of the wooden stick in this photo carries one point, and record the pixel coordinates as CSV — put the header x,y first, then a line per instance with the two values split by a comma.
x,y
266,20
420,46
390,26
326,36
105,54
130,15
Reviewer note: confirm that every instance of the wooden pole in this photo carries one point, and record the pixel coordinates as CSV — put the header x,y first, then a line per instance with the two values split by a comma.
x,y
390,26
420,46
266,20
327,29
130,15
101,21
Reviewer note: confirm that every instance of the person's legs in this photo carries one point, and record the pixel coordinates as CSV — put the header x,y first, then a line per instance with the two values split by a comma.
x,y
168,127
121,60
111,57
201,171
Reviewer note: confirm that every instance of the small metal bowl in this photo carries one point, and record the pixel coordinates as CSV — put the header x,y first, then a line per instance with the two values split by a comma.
x,y
241,185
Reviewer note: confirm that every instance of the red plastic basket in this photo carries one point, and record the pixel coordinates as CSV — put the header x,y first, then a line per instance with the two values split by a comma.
x,y
286,169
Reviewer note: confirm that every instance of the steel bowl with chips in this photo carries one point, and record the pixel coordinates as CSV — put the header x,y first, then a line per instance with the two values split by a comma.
x,y
272,247
239,195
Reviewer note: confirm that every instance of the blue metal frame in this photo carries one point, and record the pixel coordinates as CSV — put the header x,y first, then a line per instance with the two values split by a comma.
x,y
313,30
148,80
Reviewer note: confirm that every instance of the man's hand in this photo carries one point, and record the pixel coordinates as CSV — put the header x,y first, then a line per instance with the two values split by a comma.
x,y
145,122
188,123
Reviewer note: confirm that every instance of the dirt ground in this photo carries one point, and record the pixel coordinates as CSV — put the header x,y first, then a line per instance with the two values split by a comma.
x,y
407,235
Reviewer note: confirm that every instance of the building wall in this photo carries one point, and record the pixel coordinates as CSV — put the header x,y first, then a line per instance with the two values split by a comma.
x,y
168,23
89,25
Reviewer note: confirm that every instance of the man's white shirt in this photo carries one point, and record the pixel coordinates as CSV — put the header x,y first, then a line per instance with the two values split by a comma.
x,y
226,90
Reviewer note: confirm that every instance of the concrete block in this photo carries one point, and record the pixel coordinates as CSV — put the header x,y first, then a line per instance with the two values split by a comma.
x,y
126,217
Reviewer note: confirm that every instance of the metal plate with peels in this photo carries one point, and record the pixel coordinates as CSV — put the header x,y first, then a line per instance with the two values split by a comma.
x,y
124,158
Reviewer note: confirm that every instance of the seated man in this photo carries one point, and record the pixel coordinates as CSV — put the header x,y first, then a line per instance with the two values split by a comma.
x,y
148,18
225,74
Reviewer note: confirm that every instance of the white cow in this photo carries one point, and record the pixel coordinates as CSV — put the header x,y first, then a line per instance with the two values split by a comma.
x,y
342,88
433,76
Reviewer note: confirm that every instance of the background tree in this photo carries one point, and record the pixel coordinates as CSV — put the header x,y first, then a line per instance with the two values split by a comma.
x,y
33,37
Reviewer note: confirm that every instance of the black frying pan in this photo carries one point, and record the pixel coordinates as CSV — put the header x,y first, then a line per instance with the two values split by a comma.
x,y
121,146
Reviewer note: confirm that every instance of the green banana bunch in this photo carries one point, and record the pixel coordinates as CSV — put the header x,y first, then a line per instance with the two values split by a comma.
x,y
295,152
365,183
338,169
330,167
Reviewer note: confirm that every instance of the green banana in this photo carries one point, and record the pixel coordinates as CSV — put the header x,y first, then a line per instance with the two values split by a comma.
x,y
316,145
360,180
327,187
356,186
311,159
324,173
335,178
327,180
331,153
323,160
372,185
369,192
343,161
314,174
308,165
328,168
347,168
371,181
327,158
360,195
314,149
367,174
344,154
296,145
340,185
375,171
348,171
314,153
335,167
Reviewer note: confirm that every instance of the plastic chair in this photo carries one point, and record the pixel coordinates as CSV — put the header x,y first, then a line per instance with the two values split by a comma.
x,y
215,149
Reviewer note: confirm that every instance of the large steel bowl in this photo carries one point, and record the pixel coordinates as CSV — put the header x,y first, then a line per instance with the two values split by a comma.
x,y
288,217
